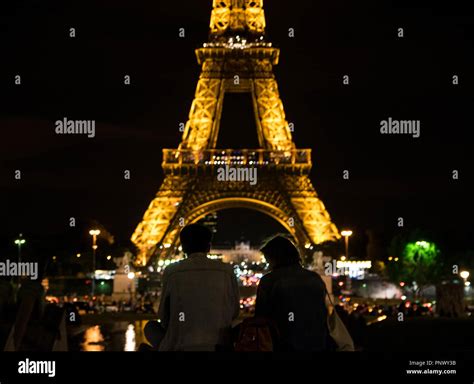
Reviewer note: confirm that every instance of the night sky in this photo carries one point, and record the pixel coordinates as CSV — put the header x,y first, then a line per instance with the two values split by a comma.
x,y
82,78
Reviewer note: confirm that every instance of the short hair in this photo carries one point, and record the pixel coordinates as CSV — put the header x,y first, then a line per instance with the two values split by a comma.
x,y
195,238
281,251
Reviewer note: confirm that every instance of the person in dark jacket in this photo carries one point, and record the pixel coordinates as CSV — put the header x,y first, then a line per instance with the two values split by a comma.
x,y
292,297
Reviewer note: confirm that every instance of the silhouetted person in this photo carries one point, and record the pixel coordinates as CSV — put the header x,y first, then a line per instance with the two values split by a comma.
x,y
199,299
294,298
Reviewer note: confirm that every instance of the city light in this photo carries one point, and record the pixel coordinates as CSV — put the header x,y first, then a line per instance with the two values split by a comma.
x,y
346,233
464,274
20,241
423,244
131,275
94,233
359,264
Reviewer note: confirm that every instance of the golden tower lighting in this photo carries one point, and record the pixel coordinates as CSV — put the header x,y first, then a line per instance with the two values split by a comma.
x,y
237,58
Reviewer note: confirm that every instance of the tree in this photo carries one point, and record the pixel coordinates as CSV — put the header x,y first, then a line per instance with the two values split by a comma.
x,y
420,265
414,261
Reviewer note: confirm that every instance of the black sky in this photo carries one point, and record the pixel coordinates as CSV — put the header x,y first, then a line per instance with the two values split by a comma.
x,y
82,78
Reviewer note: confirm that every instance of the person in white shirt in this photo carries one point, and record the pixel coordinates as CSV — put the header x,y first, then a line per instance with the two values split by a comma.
x,y
199,299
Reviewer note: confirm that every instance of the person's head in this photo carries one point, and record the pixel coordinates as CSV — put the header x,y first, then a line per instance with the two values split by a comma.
x,y
195,238
280,251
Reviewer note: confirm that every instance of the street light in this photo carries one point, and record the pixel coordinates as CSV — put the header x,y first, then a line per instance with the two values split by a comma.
x,y
464,275
346,233
94,233
19,242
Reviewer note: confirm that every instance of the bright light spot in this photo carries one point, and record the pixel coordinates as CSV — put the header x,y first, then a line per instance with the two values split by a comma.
x,y
94,232
359,264
102,283
93,340
307,245
161,263
423,244
340,283
109,257
396,258
467,283
346,233
464,274
130,343
167,262
402,284
167,245
404,297
343,258
390,258
131,275
78,255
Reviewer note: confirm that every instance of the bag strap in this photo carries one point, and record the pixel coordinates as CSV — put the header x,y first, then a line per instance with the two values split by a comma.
x,y
330,299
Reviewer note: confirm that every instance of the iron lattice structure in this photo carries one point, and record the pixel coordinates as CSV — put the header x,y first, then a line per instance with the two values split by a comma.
x,y
237,58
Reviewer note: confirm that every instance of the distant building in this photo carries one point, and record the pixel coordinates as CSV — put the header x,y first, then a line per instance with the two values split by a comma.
x,y
242,251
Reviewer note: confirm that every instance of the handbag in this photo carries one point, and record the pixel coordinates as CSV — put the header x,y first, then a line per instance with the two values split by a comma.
x,y
337,330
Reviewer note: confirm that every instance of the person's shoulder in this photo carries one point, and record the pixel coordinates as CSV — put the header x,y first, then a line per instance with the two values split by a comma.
x,y
173,268
267,278
225,267
201,264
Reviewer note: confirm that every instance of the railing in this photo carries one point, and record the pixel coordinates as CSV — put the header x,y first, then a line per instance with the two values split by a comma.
x,y
238,157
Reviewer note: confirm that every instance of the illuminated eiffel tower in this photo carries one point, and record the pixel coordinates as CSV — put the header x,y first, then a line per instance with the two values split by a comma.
x,y
236,59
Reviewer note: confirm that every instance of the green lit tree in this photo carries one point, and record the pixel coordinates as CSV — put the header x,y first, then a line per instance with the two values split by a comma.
x,y
419,265
414,261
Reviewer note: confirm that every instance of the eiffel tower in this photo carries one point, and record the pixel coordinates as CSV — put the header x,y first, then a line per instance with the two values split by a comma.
x,y
237,58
